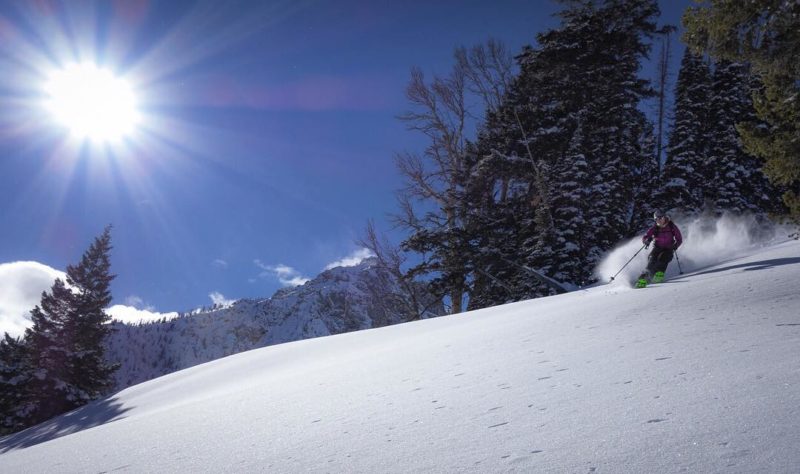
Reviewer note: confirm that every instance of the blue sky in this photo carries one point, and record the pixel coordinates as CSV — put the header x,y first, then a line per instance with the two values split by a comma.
x,y
266,141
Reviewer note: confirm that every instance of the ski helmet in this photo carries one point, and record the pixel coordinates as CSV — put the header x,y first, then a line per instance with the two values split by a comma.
x,y
658,214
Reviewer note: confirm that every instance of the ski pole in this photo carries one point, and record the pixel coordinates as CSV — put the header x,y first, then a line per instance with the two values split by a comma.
x,y
629,261
679,262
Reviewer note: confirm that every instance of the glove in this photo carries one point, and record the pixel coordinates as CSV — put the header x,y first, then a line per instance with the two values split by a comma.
x,y
675,247
647,242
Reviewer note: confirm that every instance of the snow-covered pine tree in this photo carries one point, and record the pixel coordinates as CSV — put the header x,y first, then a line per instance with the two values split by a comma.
x,y
510,205
47,344
765,34
583,80
65,344
570,201
539,119
726,157
492,217
567,149
90,374
646,179
685,174
564,152
15,377
765,195
614,143
504,208
738,184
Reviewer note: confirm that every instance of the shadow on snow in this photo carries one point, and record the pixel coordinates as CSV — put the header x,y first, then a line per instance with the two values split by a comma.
x,y
753,266
94,414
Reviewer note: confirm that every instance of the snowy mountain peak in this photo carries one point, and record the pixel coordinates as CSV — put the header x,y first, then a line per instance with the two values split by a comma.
x,y
340,299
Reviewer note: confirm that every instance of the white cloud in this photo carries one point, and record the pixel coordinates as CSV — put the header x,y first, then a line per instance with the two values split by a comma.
x,y
287,275
134,301
220,263
21,287
131,315
351,260
220,300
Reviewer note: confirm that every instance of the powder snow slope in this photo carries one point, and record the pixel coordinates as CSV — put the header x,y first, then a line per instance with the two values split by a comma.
x,y
699,374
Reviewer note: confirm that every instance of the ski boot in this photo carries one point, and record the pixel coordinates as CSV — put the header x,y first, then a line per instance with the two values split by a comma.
x,y
658,277
643,280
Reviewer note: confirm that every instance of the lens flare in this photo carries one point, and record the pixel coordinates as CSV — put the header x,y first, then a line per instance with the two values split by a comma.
x,y
92,103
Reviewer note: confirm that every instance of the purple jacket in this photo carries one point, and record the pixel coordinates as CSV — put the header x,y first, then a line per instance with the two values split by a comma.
x,y
667,237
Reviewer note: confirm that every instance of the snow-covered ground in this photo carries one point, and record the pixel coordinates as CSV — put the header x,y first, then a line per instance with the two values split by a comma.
x,y
698,374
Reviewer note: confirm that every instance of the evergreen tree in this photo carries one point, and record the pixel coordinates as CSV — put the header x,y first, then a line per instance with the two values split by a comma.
x,y
765,34
646,178
15,377
685,173
47,342
491,217
738,183
546,106
615,151
570,201
90,373
726,190
764,194
566,151
578,94
65,344
509,209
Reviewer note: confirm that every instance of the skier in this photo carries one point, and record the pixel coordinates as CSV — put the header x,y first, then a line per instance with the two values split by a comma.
x,y
667,238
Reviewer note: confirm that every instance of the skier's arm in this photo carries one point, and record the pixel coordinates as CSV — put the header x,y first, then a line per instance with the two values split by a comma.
x,y
676,233
648,237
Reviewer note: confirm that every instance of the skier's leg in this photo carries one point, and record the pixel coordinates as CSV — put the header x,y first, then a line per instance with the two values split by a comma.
x,y
647,273
652,263
663,260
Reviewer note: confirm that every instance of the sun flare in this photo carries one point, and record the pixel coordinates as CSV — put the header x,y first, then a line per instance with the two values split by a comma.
x,y
92,103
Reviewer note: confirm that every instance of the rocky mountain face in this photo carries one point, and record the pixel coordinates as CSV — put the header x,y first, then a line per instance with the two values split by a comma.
x,y
339,300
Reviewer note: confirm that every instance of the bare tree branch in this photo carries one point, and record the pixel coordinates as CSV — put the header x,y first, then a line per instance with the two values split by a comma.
x,y
414,298
437,180
488,70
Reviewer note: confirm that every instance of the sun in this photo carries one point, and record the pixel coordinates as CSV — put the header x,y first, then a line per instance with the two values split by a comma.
x,y
91,102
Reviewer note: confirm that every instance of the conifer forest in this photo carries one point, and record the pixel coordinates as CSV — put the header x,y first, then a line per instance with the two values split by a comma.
x,y
572,157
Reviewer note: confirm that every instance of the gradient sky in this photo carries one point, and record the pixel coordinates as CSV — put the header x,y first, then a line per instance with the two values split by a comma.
x,y
267,140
